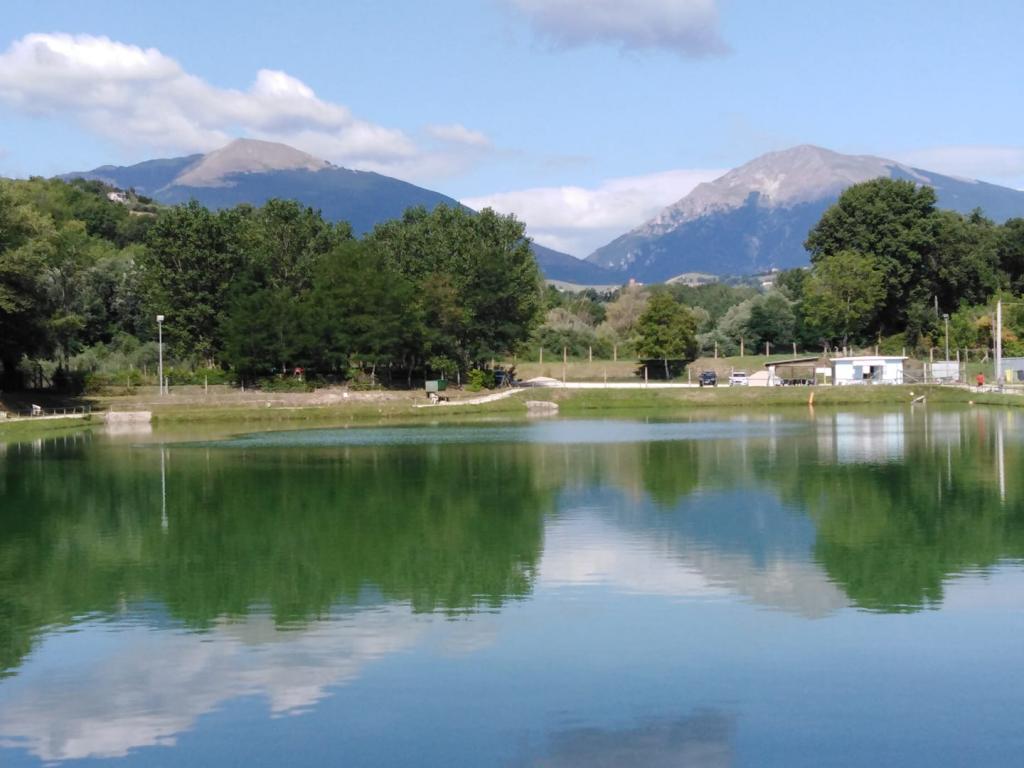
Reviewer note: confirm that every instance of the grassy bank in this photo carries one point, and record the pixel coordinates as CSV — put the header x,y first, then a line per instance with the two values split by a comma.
x,y
31,428
398,408
390,410
572,401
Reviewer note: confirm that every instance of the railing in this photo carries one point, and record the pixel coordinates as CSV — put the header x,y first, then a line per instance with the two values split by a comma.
x,y
38,412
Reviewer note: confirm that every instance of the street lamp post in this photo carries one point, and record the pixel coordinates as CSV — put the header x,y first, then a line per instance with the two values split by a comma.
x,y
946,318
160,353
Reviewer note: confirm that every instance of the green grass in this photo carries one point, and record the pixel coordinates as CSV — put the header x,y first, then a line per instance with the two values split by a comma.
x,y
571,401
400,410
31,428
392,411
578,370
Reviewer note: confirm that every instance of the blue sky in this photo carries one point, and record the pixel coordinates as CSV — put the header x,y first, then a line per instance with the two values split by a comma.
x,y
582,116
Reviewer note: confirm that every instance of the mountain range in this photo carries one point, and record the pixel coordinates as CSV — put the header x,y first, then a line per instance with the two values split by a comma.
x,y
756,217
251,171
752,219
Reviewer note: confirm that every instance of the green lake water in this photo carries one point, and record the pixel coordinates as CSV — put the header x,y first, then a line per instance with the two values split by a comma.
x,y
841,588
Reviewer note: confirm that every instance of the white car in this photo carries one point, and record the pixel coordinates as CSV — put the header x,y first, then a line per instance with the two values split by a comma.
x,y
738,379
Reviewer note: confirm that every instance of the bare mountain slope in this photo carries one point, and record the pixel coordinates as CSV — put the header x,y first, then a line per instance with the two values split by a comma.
x,y
757,216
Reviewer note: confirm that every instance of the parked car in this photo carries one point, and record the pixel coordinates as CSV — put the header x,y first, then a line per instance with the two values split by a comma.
x,y
738,379
708,379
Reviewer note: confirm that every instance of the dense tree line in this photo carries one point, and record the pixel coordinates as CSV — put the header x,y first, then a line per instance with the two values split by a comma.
x,y
886,265
253,291
886,261
250,293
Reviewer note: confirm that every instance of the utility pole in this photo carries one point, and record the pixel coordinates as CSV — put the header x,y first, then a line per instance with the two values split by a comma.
x,y
160,351
999,342
945,317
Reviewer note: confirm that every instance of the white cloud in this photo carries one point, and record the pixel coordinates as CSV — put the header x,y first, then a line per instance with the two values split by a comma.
x,y
70,705
999,164
456,133
686,27
577,220
143,99
587,553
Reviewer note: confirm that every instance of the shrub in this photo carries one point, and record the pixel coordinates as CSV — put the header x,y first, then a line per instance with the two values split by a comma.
x,y
479,379
286,384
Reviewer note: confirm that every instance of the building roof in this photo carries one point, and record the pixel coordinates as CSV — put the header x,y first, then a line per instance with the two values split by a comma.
x,y
862,358
794,361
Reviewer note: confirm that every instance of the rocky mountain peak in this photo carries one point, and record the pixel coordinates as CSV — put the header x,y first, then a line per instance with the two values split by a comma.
x,y
246,156
757,216
779,179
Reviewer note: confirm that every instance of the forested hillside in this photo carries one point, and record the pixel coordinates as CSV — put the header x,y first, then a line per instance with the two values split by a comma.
x,y
250,292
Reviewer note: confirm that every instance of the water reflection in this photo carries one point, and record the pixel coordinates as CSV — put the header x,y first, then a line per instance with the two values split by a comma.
x,y
285,567
700,741
142,687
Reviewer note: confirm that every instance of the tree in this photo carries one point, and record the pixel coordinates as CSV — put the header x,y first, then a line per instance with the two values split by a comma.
x,y
284,242
895,222
771,320
966,266
734,324
791,282
263,332
23,302
667,330
364,308
843,294
190,265
478,266
1010,249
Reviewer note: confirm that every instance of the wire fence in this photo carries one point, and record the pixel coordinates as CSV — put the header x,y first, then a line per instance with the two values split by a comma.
x,y
38,412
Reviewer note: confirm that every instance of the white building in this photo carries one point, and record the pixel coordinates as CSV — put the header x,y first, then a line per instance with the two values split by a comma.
x,y
868,369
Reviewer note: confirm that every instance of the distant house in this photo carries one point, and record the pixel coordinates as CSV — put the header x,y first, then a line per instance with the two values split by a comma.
x,y
868,369
117,196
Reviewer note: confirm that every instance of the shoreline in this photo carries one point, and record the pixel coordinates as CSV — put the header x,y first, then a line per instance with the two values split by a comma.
x,y
408,407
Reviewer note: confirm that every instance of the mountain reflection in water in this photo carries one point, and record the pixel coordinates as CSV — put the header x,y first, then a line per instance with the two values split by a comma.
x,y
290,566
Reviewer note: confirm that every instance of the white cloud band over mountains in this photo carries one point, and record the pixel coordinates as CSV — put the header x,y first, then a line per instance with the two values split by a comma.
x,y
140,98
998,164
685,27
578,220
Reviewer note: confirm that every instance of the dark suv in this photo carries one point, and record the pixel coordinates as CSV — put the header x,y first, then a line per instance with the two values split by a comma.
x,y
708,379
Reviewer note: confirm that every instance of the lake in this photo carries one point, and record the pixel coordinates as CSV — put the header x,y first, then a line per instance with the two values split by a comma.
x,y
801,588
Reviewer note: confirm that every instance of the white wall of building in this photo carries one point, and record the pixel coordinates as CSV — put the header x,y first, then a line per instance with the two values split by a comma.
x,y
868,369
